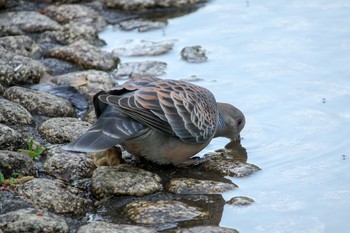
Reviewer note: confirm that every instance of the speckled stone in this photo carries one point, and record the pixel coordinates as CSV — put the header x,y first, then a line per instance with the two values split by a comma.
x,y
132,5
207,229
240,201
53,195
40,103
144,48
124,180
20,45
15,162
105,227
62,129
141,25
140,69
32,220
13,113
16,69
69,165
85,55
194,54
162,211
194,186
10,139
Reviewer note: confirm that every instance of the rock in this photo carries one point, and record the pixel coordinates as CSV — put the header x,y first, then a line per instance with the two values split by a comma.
x,y
144,48
58,66
136,5
10,139
13,113
105,227
194,186
194,54
81,14
40,103
2,89
85,55
162,211
69,165
142,25
54,195
16,69
15,162
240,200
32,220
192,78
10,201
124,180
62,130
138,69
20,45
206,229
21,22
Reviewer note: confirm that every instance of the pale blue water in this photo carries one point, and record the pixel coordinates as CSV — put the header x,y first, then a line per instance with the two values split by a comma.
x,y
286,65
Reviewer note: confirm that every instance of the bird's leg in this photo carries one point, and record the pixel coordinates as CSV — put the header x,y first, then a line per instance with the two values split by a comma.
x,y
110,157
194,161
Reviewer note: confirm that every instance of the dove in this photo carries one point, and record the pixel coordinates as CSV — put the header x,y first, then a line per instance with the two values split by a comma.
x,y
165,121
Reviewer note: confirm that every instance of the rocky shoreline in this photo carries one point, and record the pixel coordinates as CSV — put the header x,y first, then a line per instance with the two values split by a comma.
x,y
51,65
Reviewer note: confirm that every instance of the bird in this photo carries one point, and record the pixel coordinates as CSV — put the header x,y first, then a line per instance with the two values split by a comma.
x,y
163,120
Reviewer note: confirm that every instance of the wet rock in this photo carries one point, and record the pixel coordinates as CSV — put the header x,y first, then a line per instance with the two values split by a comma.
x,y
20,45
53,195
162,211
192,78
138,69
11,201
81,14
10,139
85,55
60,130
135,5
13,113
124,180
32,220
144,48
69,165
207,229
106,227
40,103
194,186
142,25
58,66
21,22
16,69
240,200
15,162
194,54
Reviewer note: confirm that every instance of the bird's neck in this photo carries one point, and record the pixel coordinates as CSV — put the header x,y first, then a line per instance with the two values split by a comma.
x,y
220,129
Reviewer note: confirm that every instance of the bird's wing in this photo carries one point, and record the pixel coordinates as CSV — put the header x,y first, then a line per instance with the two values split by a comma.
x,y
110,129
173,107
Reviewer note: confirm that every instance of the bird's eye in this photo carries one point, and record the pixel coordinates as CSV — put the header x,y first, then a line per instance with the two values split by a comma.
x,y
239,122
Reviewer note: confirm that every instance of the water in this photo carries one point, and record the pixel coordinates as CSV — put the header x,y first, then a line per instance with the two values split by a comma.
x,y
286,65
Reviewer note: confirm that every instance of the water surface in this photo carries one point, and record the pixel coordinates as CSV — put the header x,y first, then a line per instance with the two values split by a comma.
x,y
286,65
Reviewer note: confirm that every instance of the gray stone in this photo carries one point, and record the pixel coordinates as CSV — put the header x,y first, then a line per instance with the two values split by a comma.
x,y
20,45
105,227
62,130
124,180
58,66
194,54
139,69
162,211
16,69
142,25
132,5
85,55
240,201
69,165
32,220
15,162
10,139
54,195
40,103
13,113
22,22
81,14
144,48
194,186
207,229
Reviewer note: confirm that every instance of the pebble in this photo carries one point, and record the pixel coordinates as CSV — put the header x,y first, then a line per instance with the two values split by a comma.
x,y
194,54
138,69
136,5
240,201
16,162
13,113
10,139
206,229
21,45
141,25
105,227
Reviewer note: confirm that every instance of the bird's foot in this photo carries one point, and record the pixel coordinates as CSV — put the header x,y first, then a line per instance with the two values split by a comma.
x,y
194,161
110,157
